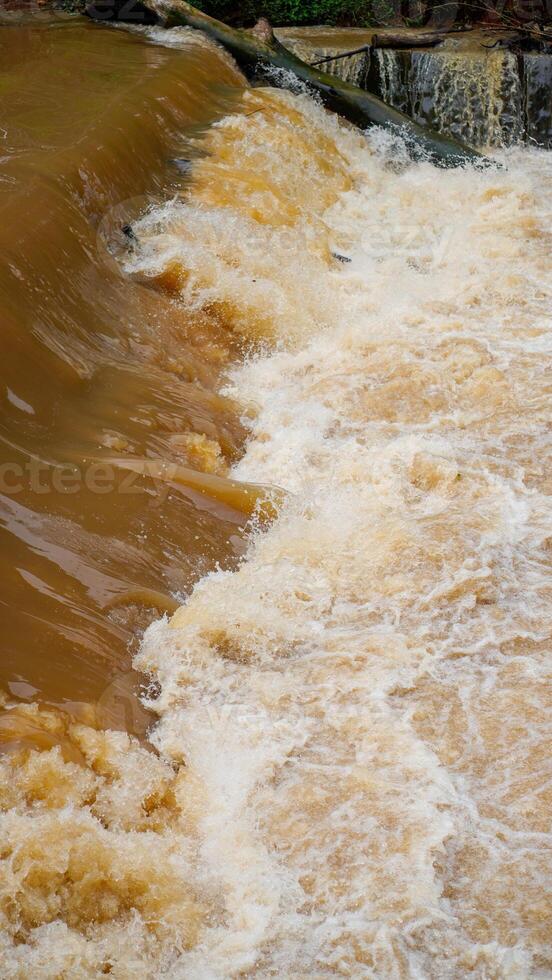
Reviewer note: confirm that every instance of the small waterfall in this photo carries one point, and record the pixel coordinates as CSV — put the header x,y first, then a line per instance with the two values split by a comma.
x,y
486,97
393,70
537,94
354,68
476,97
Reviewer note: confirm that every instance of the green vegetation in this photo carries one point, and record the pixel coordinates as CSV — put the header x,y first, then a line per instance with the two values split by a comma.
x,y
279,12
440,14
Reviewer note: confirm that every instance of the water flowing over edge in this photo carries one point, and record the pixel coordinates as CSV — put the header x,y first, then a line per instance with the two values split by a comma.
x,y
352,727
467,86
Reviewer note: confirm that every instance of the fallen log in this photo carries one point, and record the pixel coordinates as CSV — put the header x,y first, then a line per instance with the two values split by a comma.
x,y
401,39
408,39
260,49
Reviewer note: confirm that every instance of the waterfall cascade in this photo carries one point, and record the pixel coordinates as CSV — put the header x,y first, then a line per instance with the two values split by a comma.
x,y
339,765
484,96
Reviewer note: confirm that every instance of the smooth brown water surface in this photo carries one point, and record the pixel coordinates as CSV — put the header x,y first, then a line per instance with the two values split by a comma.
x,y
95,365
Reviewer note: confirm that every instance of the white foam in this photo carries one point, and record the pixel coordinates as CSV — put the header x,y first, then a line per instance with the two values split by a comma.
x,y
379,653
362,706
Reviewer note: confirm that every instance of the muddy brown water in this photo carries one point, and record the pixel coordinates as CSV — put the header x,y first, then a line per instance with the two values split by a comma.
x,y
352,770
96,365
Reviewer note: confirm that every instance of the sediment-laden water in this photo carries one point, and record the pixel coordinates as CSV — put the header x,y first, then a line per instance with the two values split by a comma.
x,y
94,364
349,774
469,85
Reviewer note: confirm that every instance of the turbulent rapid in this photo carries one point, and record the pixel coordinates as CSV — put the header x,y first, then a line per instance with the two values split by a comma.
x,y
349,774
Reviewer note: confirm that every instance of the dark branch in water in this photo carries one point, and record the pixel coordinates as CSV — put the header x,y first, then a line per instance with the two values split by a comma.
x,y
128,232
343,54
260,48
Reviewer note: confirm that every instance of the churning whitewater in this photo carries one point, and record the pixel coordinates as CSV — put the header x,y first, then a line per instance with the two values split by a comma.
x,y
354,726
